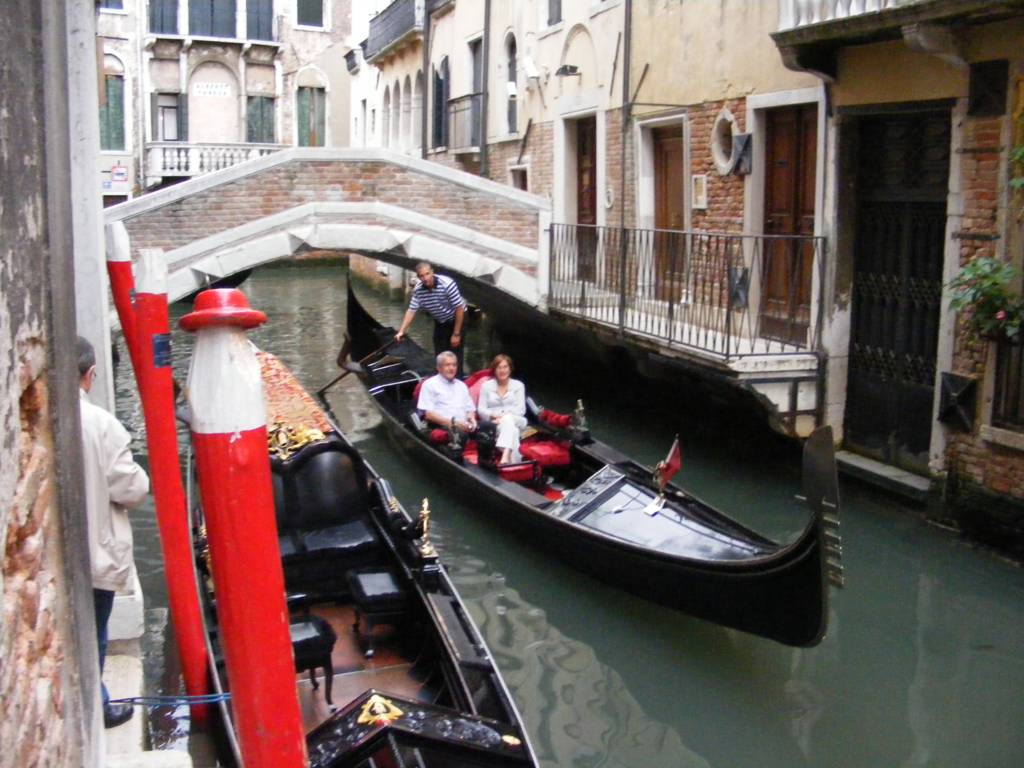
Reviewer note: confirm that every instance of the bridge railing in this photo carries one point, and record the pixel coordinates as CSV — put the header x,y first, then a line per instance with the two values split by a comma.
x,y
177,158
725,294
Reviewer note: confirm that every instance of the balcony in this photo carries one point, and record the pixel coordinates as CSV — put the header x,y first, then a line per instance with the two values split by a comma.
x,y
810,32
398,24
719,296
353,59
464,123
177,159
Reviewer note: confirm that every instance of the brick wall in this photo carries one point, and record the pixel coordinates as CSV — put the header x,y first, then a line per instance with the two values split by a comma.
x,y
282,187
986,487
725,193
537,156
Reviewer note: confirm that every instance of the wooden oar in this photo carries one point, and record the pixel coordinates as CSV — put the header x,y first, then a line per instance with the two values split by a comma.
x,y
350,367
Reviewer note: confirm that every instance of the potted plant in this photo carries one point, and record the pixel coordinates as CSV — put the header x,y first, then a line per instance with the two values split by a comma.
x,y
993,308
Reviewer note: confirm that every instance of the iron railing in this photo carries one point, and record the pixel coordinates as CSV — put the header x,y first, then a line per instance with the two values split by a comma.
x,y
724,294
176,158
402,19
465,122
1008,395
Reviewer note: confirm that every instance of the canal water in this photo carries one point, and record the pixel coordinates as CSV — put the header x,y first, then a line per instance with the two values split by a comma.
x,y
923,664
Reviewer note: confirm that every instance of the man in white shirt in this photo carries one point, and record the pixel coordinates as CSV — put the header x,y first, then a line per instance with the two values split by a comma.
x,y
444,399
113,484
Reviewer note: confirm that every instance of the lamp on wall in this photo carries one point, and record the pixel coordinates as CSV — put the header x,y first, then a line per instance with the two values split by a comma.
x,y
567,70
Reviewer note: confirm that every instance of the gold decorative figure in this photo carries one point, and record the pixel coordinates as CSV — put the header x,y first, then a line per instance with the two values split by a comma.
x,y
426,548
378,711
579,417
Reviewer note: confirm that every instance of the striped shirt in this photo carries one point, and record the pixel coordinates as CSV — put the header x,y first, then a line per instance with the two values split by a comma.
x,y
441,302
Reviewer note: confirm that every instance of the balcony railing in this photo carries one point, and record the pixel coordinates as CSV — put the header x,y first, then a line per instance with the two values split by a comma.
x,y
726,295
173,158
465,122
400,21
802,13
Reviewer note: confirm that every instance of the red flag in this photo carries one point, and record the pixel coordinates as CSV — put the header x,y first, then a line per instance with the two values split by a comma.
x,y
667,468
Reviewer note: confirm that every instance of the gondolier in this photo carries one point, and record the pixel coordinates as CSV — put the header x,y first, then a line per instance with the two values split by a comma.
x,y
439,296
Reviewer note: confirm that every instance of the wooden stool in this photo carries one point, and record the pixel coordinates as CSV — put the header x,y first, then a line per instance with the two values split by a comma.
x,y
379,599
312,642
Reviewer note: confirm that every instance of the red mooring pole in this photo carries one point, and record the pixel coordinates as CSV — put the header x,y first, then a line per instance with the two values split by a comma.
x,y
122,287
229,432
153,372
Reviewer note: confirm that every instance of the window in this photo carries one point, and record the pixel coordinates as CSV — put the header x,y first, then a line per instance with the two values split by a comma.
x,y
310,13
259,21
513,115
554,12
259,120
112,108
112,5
211,18
440,111
163,17
170,121
311,104
986,93
519,179
1008,401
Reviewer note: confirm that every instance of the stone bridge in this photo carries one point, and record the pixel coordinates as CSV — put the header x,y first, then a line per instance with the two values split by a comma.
x,y
394,207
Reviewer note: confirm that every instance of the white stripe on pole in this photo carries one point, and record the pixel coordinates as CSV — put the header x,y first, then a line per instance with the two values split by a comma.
x,y
225,386
119,247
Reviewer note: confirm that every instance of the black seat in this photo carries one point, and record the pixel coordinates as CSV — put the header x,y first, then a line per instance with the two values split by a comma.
x,y
313,641
379,599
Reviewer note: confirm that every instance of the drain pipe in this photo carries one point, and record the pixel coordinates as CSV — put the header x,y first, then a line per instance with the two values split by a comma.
x,y
427,83
627,36
485,90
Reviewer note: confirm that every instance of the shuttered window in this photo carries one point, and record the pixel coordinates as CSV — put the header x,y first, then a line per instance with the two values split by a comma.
x,y
310,13
260,19
112,114
440,110
211,18
163,17
554,11
311,105
259,120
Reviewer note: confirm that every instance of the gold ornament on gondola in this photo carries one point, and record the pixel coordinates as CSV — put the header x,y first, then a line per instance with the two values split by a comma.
x,y
285,441
426,548
378,711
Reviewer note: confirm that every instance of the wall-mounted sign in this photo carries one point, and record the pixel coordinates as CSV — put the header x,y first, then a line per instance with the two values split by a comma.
x,y
118,173
699,191
221,90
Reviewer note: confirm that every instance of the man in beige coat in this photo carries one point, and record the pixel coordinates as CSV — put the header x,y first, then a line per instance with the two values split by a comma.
x,y
114,483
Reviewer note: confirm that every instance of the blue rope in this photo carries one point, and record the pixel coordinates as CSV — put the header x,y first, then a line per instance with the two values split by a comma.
x,y
172,701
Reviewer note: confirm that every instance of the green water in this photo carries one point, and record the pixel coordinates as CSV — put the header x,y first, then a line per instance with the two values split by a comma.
x,y
923,664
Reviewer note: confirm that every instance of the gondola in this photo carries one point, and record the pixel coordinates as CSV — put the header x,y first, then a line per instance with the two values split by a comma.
x,y
607,515
398,673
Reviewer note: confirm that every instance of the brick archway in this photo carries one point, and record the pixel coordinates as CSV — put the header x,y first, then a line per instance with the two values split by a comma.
x,y
374,202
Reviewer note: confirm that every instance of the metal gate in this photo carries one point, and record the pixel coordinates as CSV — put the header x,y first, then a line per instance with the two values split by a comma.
x,y
902,182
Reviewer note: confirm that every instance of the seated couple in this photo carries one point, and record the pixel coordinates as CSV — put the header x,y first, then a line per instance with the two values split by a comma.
x,y
445,401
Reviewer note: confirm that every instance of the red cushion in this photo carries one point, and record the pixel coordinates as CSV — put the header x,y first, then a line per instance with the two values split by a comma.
x,y
476,381
554,420
553,494
416,393
523,472
547,453
438,436
471,453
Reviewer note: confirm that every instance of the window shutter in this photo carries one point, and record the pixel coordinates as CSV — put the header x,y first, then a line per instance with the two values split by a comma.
x,y
302,119
182,117
224,18
154,117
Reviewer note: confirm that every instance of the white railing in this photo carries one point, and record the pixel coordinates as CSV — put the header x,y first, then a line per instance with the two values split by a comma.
x,y
176,158
802,13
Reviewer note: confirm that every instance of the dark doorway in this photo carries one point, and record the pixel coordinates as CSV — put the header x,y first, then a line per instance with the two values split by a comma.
x,y
586,196
791,139
902,171
668,211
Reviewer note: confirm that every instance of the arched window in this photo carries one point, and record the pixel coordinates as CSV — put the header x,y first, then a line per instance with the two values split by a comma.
x,y
396,115
440,105
417,112
513,86
407,113
112,108
385,117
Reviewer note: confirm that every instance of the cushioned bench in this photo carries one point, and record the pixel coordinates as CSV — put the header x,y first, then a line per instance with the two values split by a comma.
x,y
379,599
320,499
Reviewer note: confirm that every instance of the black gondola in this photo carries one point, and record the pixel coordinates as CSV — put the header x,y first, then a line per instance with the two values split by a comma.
x,y
398,673
604,513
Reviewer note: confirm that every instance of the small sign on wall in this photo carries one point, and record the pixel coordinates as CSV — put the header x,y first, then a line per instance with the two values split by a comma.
x,y
699,191
219,90
118,173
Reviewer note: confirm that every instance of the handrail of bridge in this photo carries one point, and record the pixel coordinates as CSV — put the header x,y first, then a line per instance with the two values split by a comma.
x,y
725,295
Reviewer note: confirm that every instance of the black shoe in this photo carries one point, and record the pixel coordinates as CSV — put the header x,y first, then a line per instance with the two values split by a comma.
x,y
116,714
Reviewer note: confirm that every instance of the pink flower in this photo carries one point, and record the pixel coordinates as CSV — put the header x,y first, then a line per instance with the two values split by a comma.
x,y
1001,315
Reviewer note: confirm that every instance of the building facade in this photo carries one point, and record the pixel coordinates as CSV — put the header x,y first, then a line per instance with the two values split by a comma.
x,y
193,86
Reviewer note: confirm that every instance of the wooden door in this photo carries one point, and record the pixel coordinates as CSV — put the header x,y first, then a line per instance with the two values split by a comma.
x,y
902,185
791,137
586,196
668,213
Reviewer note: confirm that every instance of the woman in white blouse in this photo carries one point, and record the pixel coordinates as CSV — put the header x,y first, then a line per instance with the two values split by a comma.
x,y
503,401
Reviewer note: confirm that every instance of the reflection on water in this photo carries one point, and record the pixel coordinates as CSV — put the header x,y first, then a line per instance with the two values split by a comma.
x,y
923,664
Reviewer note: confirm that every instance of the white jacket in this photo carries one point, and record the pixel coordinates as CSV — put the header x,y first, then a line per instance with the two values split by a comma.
x,y
113,484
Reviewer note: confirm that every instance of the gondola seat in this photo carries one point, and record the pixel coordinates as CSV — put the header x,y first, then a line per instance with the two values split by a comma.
x,y
547,453
379,600
312,643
